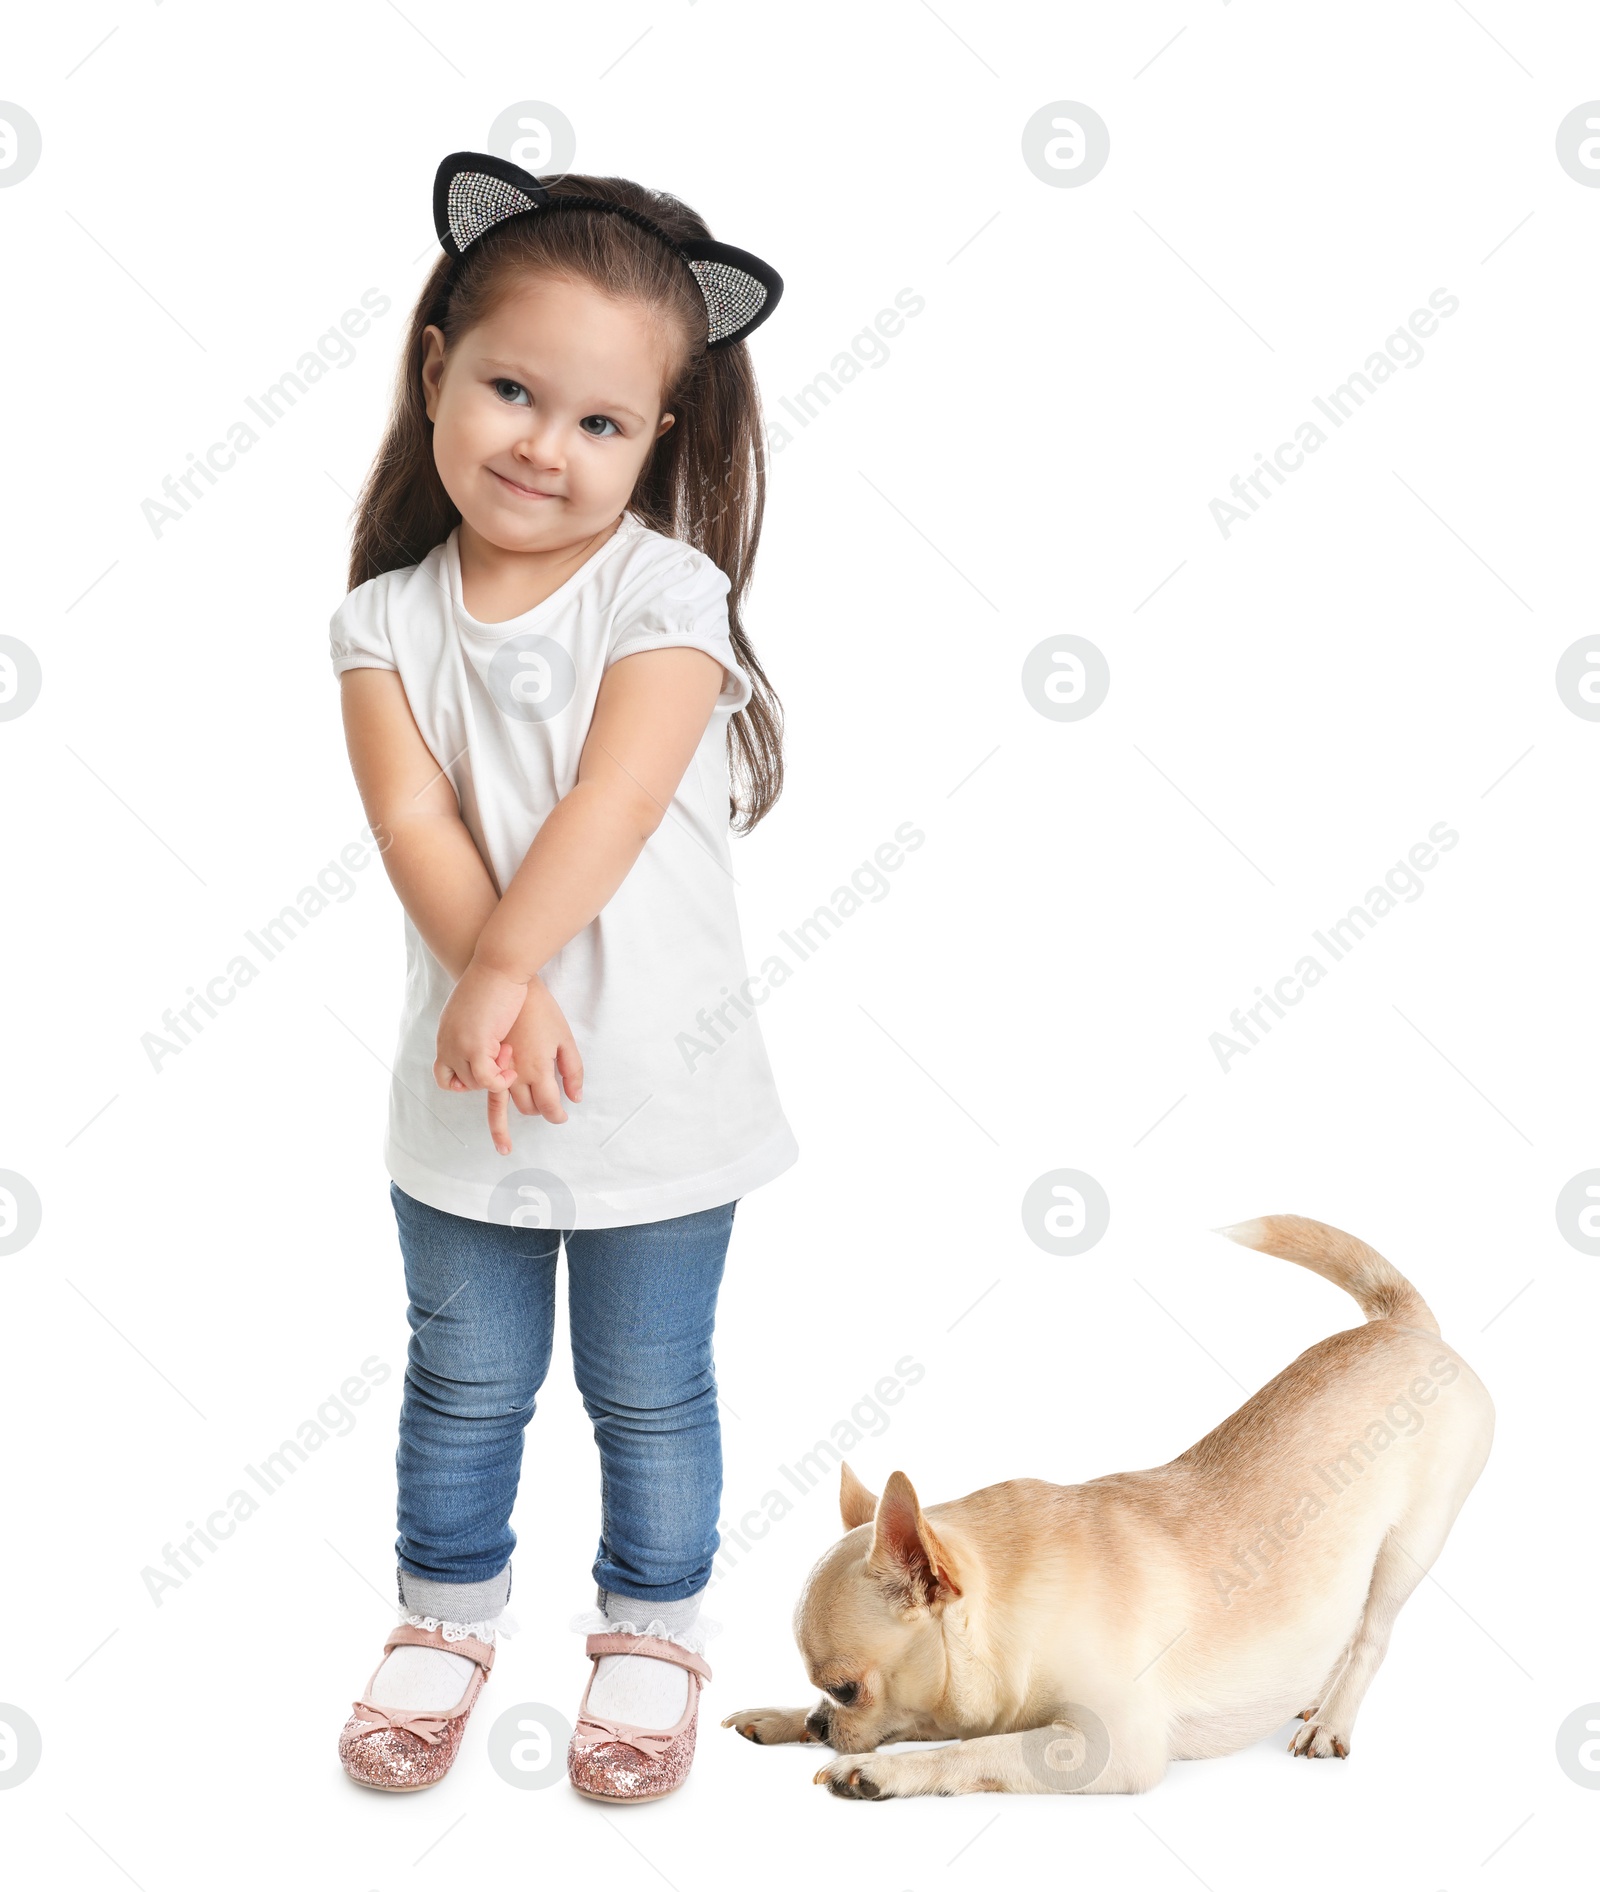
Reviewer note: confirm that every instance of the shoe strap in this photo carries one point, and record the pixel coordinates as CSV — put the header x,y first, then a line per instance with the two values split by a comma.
x,y
614,1642
469,1646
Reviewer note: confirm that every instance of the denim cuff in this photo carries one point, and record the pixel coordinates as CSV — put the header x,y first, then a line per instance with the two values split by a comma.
x,y
454,1602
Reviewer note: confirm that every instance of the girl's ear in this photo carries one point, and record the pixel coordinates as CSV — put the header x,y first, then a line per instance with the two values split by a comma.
x,y
432,367
666,422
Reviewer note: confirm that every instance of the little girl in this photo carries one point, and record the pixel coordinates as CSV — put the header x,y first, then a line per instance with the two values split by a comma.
x,y
543,675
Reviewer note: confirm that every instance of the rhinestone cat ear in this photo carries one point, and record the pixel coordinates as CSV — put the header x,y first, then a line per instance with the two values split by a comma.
x,y
473,192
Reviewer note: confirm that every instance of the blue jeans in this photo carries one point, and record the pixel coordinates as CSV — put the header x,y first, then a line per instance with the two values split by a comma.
x,y
641,1304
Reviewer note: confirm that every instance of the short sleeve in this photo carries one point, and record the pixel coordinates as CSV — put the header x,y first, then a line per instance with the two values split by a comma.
x,y
358,633
684,604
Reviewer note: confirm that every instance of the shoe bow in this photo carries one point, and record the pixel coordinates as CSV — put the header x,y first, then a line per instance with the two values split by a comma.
x,y
593,1730
428,1728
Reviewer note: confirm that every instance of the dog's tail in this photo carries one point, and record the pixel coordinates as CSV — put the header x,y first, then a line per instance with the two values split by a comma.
x,y
1382,1290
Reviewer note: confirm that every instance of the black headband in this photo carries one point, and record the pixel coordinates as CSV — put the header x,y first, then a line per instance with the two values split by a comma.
x,y
474,192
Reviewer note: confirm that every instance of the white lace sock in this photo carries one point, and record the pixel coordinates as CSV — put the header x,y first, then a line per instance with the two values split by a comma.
x,y
427,1681
644,1689
423,1680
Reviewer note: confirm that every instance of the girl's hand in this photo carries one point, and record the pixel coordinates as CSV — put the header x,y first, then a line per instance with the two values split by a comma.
x,y
476,1019
545,1058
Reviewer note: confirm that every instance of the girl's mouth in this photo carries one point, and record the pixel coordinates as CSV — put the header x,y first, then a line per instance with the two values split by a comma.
x,y
524,492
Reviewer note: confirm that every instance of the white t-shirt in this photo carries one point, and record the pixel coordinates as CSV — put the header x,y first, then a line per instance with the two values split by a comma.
x,y
664,1127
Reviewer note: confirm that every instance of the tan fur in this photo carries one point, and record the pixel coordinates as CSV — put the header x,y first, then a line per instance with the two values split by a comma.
x,y
1077,1638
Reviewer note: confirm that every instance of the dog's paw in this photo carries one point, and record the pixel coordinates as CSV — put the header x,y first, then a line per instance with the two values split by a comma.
x,y
1320,1741
768,1727
856,1777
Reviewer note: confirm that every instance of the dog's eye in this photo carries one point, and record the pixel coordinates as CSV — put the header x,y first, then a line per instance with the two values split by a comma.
x,y
844,1693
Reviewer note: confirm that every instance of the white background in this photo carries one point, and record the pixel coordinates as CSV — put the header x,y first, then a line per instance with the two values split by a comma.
x,y
1291,708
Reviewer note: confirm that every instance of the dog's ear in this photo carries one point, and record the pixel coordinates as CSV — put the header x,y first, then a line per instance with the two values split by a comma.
x,y
856,1503
905,1552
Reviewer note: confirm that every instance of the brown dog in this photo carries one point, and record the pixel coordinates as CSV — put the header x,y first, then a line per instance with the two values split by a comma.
x,y
1076,1638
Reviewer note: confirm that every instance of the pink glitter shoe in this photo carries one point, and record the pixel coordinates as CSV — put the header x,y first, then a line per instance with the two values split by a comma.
x,y
400,1750
613,1760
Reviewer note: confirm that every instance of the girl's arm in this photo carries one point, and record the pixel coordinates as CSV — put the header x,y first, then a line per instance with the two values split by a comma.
x,y
411,806
441,879
649,717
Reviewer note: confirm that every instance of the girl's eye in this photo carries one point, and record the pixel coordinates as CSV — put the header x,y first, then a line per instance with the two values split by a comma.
x,y
514,394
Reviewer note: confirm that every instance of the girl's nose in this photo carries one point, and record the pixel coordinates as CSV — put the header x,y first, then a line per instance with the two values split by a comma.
x,y
541,446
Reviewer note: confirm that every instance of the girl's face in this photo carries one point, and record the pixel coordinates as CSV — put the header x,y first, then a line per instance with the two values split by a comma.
x,y
543,414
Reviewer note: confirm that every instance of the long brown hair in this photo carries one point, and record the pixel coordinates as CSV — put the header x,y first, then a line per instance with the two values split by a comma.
x,y
704,481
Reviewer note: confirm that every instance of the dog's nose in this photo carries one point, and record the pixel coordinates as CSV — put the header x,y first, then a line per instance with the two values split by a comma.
x,y
817,1724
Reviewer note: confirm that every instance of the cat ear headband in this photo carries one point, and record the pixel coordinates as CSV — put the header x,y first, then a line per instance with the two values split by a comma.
x,y
474,192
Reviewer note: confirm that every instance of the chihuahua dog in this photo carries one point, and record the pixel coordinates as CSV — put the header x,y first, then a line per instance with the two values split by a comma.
x,y
1077,1638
